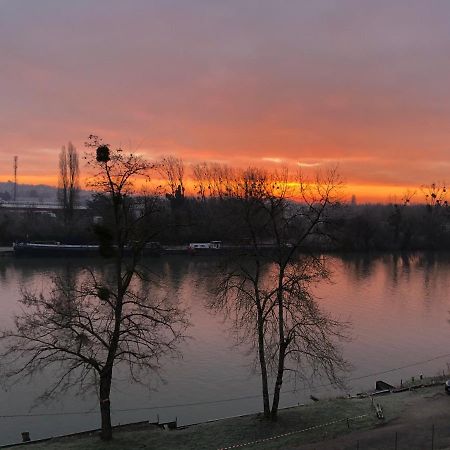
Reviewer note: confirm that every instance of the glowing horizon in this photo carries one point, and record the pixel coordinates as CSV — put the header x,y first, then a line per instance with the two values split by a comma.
x,y
357,84
362,193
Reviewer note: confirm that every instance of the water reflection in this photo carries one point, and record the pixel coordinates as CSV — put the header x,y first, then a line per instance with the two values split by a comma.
x,y
398,305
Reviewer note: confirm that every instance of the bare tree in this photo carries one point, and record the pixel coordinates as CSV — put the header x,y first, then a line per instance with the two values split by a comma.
x,y
435,194
68,183
200,177
407,196
267,291
172,171
83,330
221,180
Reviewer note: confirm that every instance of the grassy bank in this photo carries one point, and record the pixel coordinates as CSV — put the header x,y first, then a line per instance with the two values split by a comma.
x,y
322,420
228,432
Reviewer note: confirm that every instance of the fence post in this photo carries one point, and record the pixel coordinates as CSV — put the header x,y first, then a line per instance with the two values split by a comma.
x,y
432,437
396,440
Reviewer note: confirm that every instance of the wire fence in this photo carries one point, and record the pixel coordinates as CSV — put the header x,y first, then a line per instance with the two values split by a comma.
x,y
428,436
239,398
345,420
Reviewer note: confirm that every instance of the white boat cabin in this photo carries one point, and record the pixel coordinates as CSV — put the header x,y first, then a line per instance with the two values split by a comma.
x,y
205,245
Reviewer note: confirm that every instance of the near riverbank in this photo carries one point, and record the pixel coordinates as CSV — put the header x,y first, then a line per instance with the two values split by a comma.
x,y
329,424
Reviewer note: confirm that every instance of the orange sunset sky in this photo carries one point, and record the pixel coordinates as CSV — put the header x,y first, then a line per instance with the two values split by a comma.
x,y
363,84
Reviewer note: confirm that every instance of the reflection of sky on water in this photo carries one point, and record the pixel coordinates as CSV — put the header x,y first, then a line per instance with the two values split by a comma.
x,y
398,307
399,310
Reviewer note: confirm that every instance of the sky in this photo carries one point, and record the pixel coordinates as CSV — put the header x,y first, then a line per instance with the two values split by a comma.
x,y
361,84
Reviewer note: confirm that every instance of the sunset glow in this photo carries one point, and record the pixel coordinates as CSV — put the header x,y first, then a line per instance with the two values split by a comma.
x,y
360,85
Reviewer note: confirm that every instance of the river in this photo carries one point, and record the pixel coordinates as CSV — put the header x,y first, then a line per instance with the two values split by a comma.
x,y
398,307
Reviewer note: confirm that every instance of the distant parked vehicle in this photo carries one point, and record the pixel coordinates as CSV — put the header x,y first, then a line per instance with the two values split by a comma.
x,y
447,386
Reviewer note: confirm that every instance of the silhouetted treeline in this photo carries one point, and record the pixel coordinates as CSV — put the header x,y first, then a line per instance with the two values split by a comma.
x,y
393,228
371,227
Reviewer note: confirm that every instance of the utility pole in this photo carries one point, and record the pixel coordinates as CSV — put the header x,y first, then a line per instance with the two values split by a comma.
x,y
15,177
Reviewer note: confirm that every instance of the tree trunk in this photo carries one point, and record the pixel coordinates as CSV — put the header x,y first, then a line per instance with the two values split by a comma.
x,y
262,363
105,406
278,383
282,348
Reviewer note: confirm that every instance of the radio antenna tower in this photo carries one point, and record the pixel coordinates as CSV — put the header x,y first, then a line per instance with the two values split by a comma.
x,y
15,177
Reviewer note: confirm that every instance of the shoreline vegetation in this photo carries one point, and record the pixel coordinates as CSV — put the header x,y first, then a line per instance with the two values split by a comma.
x,y
351,228
297,426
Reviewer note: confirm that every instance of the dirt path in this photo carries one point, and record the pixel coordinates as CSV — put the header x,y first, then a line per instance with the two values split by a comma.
x,y
414,428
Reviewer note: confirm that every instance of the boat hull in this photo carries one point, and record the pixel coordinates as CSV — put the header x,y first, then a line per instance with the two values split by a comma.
x,y
31,249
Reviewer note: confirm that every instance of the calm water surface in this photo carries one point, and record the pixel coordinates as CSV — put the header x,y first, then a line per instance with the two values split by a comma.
x,y
398,307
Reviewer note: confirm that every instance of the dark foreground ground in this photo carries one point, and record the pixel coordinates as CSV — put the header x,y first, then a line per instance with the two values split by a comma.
x,y
410,418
